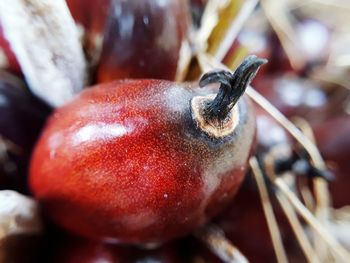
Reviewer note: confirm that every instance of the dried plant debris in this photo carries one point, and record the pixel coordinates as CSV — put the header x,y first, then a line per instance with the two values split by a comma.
x,y
320,186
214,238
45,40
340,225
281,21
209,20
18,214
233,19
20,228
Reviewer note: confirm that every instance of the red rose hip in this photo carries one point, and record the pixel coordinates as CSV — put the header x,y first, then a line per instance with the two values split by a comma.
x,y
145,161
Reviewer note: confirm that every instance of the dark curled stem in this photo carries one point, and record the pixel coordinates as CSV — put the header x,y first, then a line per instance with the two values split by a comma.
x,y
232,87
301,166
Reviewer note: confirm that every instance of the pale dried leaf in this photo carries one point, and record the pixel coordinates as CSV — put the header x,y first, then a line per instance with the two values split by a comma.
x,y
45,40
18,214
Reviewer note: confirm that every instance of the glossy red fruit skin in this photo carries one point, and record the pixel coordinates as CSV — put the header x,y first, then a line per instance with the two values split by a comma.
x,y
91,17
125,162
333,140
143,39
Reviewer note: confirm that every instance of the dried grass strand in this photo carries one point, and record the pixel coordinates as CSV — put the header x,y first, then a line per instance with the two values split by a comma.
x,y
321,214
235,27
210,19
341,252
299,232
184,61
276,13
213,237
322,195
269,214
307,197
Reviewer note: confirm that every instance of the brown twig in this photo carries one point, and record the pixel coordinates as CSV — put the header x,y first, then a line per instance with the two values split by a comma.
x,y
303,240
322,194
268,211
341,252
234,28
214,239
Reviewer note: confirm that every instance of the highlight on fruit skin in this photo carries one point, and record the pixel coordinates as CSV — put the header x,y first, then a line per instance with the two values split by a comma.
x,y
126,161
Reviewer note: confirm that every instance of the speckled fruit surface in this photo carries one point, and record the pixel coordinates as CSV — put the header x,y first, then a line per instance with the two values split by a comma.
x,y
125,162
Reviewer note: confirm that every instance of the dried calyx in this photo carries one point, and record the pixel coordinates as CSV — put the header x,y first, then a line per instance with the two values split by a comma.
x,y
216,115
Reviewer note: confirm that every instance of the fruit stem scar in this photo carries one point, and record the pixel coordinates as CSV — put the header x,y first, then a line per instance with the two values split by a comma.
x,y
232,87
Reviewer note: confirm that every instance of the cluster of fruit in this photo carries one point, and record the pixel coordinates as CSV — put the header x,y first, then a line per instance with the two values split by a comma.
x,y
126,170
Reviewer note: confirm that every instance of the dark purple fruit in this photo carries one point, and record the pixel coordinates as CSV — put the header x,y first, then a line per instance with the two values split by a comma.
x,y
21,119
